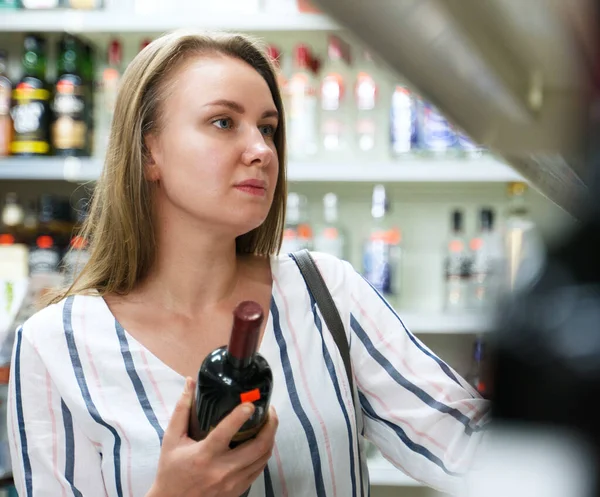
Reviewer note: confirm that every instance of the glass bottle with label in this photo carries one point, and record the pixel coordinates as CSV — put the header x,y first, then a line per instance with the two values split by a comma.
x,y
335,116
12,216
88,73
70,126
438,136
366,102
111,78
403,122
486,256
381,260
303,142
331,238
6,126
30,111
458,266
297,234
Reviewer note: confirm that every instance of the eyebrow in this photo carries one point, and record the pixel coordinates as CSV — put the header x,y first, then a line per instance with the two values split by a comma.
x,y
236,107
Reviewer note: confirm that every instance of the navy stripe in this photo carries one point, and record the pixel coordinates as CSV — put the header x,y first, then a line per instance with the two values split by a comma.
x,y
20,417
268,483
137,382
401,380
298,409
444,367
91,407
69,448
338,393
415,447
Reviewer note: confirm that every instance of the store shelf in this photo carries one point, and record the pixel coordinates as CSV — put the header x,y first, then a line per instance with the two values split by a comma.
x,y
382,472
418,170
410,170
121,21
445,323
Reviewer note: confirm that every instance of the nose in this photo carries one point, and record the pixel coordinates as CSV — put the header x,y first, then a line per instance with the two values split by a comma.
x,y
257,152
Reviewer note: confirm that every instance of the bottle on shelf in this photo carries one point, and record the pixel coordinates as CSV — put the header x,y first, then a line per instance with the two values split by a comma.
x,y
382,255
331,238
458,266
437,135
477,376
111,77
77,255
89,82
366,104
297,234
403,122
30,112
486,257
275,55
335,108
522,244
303,136
12,217
232,375
70,103
6,126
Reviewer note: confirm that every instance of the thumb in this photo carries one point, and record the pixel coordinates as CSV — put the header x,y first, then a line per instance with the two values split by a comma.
x,y
178,425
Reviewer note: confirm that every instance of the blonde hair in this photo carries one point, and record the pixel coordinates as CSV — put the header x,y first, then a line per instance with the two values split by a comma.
x,y
119,227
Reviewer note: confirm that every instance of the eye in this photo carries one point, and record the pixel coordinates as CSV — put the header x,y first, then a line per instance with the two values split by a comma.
x,y
223,123
267,129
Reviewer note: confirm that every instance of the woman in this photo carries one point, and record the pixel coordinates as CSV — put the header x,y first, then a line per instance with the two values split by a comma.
x,y
185,223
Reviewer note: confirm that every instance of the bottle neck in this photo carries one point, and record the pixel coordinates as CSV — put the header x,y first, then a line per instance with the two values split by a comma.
x,y
34,65
238,363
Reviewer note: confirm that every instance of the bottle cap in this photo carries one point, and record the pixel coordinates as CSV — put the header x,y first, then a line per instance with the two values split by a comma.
x,y
487,219
457,221
247,320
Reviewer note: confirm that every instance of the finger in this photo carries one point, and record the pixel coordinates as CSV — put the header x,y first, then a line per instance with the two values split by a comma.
x,y
221,436
254,449
178,424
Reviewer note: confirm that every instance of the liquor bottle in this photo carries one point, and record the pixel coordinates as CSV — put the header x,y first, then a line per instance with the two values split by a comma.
x,y
297,234
44,255
6,126
30,112
403,122
303,141
381,260
335,115
477,375
331,238
77,256
111,77
458,266
69,104
366,103
88,71
522,243
12,216
232,375
486,259
275,55
437,136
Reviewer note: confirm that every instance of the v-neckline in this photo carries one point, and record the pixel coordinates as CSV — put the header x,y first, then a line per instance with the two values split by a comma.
x,y
273,261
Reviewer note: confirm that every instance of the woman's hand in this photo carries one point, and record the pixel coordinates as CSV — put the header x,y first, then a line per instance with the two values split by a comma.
x,y
209,468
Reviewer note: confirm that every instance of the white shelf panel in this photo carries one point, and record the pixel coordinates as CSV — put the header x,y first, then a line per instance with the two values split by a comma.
x,y
382,472
413,170
442,323
85,169
117,21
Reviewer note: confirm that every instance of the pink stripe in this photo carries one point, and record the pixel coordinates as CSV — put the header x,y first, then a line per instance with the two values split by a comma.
x,y
305,384
103,399
54,434
154,383
388,346
280,471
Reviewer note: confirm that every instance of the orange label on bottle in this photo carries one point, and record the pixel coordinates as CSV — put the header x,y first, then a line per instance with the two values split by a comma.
x,y
250,396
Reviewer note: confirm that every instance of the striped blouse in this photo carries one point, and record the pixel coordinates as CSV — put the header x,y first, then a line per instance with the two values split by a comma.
x,y
88,404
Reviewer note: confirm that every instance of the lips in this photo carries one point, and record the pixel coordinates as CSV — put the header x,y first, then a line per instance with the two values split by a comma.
x,y
253,183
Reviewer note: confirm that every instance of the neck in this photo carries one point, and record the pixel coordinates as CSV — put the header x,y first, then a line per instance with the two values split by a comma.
x,y
196,268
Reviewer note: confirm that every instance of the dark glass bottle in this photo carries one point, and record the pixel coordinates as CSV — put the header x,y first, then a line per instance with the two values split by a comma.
x,y
232,375
30,111
477,375
70,126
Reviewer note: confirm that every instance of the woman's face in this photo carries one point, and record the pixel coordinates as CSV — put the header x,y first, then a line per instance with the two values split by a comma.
x,y
214,157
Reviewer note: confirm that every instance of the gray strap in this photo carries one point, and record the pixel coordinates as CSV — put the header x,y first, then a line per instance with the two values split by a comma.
x,y
329,311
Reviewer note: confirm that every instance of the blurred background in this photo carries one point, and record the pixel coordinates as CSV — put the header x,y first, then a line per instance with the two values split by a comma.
x,y
439,146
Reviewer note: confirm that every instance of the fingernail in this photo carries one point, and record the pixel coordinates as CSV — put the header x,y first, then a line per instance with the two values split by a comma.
x,y
188,385
248,409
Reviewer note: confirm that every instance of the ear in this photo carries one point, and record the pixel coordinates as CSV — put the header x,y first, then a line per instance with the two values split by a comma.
x,y
151,168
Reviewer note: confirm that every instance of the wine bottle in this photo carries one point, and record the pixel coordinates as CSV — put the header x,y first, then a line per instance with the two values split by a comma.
x,y
232,375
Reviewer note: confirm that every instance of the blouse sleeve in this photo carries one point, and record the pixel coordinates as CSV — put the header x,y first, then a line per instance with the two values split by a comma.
x,y
424,418
50,454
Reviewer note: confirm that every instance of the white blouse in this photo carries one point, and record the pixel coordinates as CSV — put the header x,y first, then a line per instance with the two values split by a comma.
x,y
88,404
